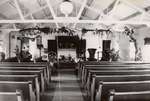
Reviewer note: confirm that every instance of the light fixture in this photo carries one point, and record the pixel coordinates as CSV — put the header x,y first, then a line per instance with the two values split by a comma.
x,y
66,7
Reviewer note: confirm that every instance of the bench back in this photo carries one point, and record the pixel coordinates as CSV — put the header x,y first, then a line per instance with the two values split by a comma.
x,y
85,70
105,74
23,64
21,68
44,69
129,96
130,86
110,63
12,86
120,78
124,67
11,96
97,81
117,72
20,72
22,78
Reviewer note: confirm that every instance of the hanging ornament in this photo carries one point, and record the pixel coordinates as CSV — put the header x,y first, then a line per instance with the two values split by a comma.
x,y
66,7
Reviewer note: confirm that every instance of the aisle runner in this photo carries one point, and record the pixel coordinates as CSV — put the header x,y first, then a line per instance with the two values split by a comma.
x,y
65,87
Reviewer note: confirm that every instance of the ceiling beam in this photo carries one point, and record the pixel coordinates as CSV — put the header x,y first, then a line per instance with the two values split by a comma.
x,y
81,9
141,17
33,19
73,21
52,11
135,7
147,8
90,8
3,2
111,10
136,14
80,12
3,16
89,2
19,10
114,7
110,7
41,8
131,16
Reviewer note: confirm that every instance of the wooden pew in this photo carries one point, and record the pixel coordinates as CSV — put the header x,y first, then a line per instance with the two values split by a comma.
x,y
129,96
47,69
29,69
39,73
93,63
28,64
25,68
85,63
24,78
99,64
11,96
25,87
128,86
98,81
117,67
112,72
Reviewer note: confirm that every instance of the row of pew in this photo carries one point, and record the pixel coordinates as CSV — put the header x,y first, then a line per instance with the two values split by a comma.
x,y
105,81
23,81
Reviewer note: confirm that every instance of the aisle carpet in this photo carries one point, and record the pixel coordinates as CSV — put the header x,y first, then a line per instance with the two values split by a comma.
x,y
64,87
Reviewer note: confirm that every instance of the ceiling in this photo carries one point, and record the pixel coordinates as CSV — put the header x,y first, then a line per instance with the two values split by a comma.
x,y
20,14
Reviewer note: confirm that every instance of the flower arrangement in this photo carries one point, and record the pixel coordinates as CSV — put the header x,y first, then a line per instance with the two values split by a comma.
x,y
114,55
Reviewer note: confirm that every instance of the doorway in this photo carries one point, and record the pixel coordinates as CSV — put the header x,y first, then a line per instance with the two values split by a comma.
x,y
106,50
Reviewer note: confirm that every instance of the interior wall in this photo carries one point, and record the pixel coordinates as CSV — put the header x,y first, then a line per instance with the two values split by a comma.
x,y
124,47
14,42
7,39
140,35
119,41
92,41
33,49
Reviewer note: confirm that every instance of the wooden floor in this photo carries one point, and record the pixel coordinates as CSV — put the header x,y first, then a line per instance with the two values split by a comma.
x,y
65,86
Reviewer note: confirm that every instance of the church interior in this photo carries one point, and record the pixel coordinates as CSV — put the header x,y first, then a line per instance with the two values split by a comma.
x,y
74,50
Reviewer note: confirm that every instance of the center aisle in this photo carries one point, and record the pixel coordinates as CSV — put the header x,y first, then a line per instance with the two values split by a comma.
x,y
64,87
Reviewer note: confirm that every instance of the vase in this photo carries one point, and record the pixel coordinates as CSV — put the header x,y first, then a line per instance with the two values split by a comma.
x,y
91,54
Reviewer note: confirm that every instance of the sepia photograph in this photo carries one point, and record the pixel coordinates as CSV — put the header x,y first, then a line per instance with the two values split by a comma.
x,y
74,50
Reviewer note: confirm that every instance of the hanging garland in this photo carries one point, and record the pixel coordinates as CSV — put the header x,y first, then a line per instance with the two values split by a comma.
x,y
130,32
48,30
66,30
33,33
97,31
